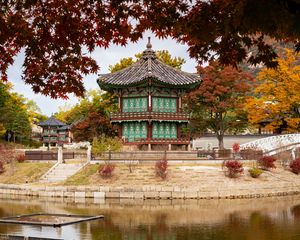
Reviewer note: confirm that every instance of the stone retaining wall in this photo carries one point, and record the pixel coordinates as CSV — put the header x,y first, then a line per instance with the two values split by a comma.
x,y
148,192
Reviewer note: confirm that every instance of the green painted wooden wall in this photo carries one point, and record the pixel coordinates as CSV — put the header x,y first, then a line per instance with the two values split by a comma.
x,y
164,130
163,104
134,130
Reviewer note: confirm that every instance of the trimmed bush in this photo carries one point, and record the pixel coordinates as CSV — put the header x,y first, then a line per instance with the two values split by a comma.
x,y
266,162
295,166
161,168
2,170
21,158
104,144
233,168
255,172
236,148
106,171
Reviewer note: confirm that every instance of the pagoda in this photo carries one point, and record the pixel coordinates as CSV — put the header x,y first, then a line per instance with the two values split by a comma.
x,y
55,133
150,108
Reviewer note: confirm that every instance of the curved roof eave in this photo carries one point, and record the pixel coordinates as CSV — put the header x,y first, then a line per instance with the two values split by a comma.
x,y
109,86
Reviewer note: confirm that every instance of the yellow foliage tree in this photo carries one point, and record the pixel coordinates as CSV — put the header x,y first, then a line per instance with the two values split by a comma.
x,y
276,100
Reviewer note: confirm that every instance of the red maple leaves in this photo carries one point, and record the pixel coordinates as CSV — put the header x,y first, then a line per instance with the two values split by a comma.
x,y
55,34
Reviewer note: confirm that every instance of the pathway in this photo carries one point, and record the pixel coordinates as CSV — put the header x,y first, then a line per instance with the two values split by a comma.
x,y
61,171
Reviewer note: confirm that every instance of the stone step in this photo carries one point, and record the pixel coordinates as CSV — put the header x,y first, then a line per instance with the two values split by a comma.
x,y
61,172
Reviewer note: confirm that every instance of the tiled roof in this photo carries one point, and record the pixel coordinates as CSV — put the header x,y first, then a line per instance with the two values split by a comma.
x,y
148,67
66,127
52,122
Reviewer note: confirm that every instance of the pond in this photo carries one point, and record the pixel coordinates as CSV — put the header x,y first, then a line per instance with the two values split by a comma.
x,y
265,218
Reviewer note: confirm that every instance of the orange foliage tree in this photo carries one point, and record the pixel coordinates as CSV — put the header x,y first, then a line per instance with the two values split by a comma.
x,y
276,100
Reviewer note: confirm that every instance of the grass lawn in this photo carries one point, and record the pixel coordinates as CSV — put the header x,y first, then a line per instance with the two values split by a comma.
x,y
82,177
18,173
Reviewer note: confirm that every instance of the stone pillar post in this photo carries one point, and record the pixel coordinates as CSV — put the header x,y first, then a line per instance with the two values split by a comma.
x,y
293,153
170,147
149,146
89,154
60,155
189,147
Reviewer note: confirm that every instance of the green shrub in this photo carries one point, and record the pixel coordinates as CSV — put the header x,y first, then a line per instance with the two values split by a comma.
x,y
103,144
255,172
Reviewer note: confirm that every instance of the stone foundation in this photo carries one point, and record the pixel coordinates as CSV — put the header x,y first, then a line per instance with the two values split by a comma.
x,y
146,192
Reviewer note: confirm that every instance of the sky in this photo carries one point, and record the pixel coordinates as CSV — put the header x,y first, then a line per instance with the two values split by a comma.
x,y
104,58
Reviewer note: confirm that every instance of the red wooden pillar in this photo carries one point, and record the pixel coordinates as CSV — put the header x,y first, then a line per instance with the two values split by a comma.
x,y
178,131
149,134
120,130
177,104
120,104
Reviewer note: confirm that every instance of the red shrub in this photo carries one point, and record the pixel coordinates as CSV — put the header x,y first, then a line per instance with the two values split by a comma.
x,y
2,170
295,166
266,162
21,158
233,168
161,168
106,171
236,147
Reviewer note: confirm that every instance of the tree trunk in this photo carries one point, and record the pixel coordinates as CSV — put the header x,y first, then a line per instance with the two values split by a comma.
x,y
221,141
220,129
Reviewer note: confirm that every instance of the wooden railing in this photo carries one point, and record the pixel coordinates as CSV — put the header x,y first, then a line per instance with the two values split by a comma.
x,y
149,116
158,141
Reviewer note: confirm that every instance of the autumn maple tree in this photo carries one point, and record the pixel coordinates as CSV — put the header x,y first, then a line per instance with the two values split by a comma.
x,y
57,35
276,101
90,117
217,104
94,125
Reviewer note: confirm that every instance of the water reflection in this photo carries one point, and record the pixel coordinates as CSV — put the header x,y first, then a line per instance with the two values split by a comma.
x,y
269,218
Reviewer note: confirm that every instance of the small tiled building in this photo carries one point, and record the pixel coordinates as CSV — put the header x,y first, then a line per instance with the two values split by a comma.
x,y
55,133
150,108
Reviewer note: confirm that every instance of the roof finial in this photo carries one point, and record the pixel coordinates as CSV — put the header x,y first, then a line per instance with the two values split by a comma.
x,y
149,45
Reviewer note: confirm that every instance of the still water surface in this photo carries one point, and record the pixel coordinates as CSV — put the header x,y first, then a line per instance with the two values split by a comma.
x,y
259,219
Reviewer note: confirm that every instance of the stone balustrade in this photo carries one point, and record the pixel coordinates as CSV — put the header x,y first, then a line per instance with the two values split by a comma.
x,y
274,144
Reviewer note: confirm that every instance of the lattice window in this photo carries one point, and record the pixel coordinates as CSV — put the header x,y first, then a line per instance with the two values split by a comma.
x,y
164,130
133,131
164,104
134,104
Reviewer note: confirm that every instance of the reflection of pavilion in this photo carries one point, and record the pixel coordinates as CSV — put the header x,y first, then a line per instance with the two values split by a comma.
x,y
150,109
157,219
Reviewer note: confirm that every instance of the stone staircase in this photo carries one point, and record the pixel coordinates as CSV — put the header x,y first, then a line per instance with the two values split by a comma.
x,y
61,171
